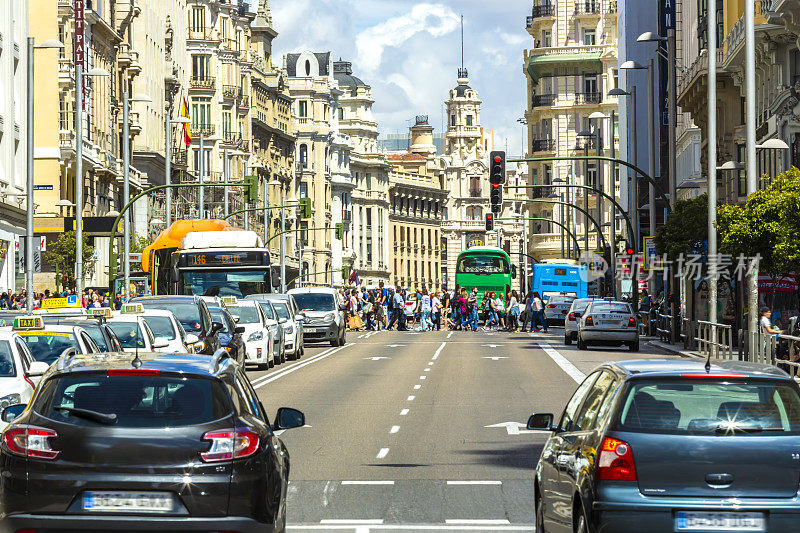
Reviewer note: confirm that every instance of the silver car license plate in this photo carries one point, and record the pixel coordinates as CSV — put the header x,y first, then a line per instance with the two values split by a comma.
x,y
719,521
149,502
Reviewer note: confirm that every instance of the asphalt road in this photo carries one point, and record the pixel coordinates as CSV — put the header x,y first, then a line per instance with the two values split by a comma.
x,y
411,431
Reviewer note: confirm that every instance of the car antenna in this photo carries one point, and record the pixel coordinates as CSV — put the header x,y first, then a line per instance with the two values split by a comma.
x,y
708,363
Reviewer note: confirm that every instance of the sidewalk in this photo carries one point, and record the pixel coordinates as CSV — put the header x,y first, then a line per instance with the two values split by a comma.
x,y
675,349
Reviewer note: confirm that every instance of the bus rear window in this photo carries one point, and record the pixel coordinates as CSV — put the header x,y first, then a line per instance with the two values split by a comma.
x,y
485,264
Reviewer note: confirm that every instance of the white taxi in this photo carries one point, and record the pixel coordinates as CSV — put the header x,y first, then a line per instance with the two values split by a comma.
x,y
130,327
166,330
19,372
258,341
48,342
608,323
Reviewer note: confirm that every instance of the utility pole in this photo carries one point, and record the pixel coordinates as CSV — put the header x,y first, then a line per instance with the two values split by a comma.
x,y
752,185
712,159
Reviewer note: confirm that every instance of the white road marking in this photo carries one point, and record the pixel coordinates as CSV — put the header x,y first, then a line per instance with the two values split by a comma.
x,y
439,350
427,370
449,334
388,482
423,377
279,375
394,429
430,363
494,358
474,482
404,412
395,345
497,522
377,358
493,345
282,370
417,387
360,336
571,370
513,428
382,453
360,528
410,398
368,522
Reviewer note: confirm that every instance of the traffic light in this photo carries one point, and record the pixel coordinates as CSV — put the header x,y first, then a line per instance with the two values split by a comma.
x,y
489,221
497,168
305,208
251,189
345,273
496,197
339,229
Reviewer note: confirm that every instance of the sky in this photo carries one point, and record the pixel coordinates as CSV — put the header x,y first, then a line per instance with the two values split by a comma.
x,y
409,51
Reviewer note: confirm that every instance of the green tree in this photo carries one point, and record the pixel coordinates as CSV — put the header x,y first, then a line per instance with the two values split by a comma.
x,y
686,229
138,244
61,254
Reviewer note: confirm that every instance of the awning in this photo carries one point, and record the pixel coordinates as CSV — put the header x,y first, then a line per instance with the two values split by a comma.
x,y
576,64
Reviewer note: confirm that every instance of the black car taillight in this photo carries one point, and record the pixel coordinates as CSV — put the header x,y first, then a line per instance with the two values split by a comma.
x,y
230,444
32,442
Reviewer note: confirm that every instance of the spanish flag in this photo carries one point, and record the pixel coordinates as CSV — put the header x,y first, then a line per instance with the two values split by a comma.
x,y
187,130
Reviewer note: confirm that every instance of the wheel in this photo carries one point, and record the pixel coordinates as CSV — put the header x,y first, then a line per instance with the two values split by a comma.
x,y
634,346
581,344
271,363
344,339
283,355
262,366
539,515
567,339
581,525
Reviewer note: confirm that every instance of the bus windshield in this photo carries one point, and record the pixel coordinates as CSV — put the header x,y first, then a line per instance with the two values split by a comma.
x,y
482,264
239,283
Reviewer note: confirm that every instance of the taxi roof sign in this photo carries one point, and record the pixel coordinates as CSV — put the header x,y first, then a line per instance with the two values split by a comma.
x,y
229,300
100,311
61,303
132,309
27,323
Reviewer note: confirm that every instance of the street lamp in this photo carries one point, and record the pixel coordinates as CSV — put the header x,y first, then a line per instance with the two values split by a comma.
x,y
283,235
633,184
587,135
202,174
49,43
168,161
126,180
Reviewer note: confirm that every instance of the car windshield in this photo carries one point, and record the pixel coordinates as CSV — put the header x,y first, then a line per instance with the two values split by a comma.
x,y
237,283
690,406
137,401
97,336
314,301
217,315
7,367
560,300
281,309
245,314
48,346
482,264
610,307
267,308
161,326
128,333
188,314
580,305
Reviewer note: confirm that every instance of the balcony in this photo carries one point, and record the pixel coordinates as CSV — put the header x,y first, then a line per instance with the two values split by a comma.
x,y
207,130
540,12
202,82
230,45
231,92
244,101
201,34
180,157
612,6
542,192
541,100
543,145
587,7
588,98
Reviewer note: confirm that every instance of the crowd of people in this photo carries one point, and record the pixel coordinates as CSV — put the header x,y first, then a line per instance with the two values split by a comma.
x,y
91,299
384,308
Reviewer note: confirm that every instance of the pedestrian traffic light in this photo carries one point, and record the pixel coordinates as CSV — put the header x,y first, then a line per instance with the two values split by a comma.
x,y
339,229
496,197
305,208
489,221
497,168
251,189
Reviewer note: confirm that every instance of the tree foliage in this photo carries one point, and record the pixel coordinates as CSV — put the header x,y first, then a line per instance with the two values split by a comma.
x,y
686,229
61,254
138,244
768,225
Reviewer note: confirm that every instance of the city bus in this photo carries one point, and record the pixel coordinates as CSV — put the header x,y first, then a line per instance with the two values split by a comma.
x,y
562,277
208,258
487,268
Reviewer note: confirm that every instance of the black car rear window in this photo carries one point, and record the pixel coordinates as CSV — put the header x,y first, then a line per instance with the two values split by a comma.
x,y
138,401
691,406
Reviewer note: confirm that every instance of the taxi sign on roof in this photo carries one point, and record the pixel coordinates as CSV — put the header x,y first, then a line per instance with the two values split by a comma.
x,y
132,309
101,311
28,322
229,300
60,303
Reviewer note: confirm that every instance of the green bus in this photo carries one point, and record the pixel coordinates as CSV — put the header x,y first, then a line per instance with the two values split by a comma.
x,y
486,268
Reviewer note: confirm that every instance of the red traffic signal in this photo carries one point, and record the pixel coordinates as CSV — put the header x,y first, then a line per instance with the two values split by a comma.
x,y
489,221
630,251
497,170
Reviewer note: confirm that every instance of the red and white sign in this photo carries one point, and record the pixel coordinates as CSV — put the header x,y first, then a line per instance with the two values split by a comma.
x,y
786,283
80,33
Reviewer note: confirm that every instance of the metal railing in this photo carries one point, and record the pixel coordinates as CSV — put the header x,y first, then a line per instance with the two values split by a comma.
x,y
543,145
714,339
587,7
588,98
202,82
541,100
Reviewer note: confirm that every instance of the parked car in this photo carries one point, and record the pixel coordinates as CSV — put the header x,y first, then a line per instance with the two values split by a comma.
x,y
258,337
669,446
294,342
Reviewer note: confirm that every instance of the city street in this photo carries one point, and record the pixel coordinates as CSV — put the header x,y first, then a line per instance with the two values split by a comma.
x,y
423,431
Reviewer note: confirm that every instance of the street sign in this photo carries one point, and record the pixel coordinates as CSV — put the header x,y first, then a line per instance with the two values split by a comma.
x,y
37,261
42,243
668,12
650,254
42,187
80,44
134,258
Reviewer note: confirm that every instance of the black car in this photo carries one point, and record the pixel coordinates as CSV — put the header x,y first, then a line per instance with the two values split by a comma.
x,y
193,314
667,446
91,451
230,335
97,328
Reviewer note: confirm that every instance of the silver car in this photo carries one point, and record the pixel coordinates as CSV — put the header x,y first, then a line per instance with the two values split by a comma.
x,y
573,316
556,307
610,324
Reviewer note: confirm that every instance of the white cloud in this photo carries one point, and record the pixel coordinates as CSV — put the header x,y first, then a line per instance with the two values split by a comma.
x,y
435,19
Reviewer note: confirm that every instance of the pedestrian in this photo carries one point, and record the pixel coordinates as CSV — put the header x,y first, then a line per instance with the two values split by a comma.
x,y
473,309
444,311
538,313
499,309
766,323
401,310
425,308
392,310
513,312
464,310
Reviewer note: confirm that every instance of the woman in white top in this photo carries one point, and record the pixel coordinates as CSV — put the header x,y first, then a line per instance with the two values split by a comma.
x,y
425,310
436,311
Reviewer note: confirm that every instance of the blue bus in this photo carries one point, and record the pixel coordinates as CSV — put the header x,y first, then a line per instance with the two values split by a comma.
x,y
560,278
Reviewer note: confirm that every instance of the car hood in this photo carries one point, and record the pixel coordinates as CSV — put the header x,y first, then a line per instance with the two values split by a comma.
x,y
317,314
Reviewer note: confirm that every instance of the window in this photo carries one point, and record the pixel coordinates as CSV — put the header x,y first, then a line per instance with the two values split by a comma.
x,y
597,403
302,109
591,177
304,155
341,113
742,157
474,213
469,120
198,19
303,190
201,111
304,232
369,218
590,84
614,78
200,67
589,37
547,38
226,122
452,120
570,412
369,181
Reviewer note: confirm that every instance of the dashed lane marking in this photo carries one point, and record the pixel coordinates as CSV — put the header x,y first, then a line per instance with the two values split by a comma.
x,y
489,522
394,429
417,387
367,482
410,398
367,522
473,482
382,453
404,412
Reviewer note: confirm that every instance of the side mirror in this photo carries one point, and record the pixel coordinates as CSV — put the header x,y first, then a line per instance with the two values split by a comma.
x,y
239,329
271,322
540,422
299,318
288,418
283,320
37,369
160,342
216,326
12,412
191,338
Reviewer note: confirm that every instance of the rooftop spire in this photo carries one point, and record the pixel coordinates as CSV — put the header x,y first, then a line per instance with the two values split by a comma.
x,y
462,72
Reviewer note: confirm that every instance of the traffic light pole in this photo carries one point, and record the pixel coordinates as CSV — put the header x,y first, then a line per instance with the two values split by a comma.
x,y
294,230
563,226
256,209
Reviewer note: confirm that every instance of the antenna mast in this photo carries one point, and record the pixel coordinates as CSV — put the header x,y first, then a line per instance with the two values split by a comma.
x,y
462,41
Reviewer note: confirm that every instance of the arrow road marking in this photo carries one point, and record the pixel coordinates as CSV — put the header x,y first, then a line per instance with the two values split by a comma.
x,y
513,428
493,345
394,345
375,358
494,358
